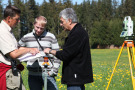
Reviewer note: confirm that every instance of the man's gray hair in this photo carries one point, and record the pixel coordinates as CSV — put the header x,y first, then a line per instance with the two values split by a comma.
x,y
67,14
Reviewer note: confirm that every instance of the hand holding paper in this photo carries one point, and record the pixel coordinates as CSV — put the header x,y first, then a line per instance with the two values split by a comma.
x,y
30,56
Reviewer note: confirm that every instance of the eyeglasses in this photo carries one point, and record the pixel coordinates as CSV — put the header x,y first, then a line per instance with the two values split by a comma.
x,y
61,22
17,19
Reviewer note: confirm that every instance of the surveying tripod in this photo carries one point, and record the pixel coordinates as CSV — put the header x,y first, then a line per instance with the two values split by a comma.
x,y
131,55
45,64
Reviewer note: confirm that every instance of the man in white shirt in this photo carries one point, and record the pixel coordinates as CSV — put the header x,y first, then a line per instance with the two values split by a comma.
x,y
9,51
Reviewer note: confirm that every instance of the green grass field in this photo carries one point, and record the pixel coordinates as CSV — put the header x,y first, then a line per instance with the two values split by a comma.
x,y
103,61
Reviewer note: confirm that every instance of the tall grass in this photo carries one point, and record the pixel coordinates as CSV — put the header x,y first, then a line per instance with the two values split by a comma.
x,y
103,61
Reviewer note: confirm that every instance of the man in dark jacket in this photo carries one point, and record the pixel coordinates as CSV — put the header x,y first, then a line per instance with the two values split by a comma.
x,y
76,57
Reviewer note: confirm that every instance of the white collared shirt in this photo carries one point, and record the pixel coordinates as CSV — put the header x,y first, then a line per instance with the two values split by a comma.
x,y
8,42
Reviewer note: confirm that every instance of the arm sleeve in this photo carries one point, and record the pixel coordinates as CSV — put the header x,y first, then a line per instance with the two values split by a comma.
x,y
56,61
22,42
70,49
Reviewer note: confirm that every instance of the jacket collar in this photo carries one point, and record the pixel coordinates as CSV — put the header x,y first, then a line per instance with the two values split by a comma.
x,y
74,28
42,35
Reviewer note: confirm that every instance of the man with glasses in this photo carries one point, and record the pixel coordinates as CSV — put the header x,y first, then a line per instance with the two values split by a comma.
x,y
10,77
76,56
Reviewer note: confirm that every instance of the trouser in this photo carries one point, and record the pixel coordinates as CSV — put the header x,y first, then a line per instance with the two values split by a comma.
x,y
37,83
14,81
75,87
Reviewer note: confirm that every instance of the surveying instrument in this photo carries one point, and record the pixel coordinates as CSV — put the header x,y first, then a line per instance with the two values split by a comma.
x,y
127,33
45,64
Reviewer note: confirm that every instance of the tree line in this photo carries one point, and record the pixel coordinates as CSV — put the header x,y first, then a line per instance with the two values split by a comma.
x,y
102,19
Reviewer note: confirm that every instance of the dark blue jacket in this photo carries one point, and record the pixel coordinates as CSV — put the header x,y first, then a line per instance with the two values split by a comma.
x,y
76,57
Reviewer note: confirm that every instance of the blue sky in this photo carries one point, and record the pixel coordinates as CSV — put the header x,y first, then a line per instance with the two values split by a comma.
x,y
73,1
40,1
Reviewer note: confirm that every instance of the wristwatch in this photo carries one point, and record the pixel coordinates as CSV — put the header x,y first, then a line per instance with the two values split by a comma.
x,y
50,51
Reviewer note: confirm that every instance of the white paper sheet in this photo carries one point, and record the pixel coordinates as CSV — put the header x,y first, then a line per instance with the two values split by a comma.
x,y
29,56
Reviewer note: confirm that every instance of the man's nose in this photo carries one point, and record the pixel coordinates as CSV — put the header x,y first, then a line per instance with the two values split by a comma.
x,y
19,21
39,29
61,24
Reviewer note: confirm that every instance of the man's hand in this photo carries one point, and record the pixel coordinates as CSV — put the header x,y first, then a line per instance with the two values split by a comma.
x,y
33,51
21,51
47,50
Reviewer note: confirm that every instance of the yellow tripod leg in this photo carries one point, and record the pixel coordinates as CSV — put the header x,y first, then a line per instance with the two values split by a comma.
x,y
132,54
129,57
115,66
133,57
134,66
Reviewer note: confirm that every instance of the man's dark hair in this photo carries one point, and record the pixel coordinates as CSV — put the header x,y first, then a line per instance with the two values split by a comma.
x,y
11,11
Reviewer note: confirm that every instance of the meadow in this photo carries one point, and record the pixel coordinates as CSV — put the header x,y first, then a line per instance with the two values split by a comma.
x,y
103,61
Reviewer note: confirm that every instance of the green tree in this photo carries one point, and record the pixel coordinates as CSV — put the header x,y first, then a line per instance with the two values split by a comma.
x,y
96,10
9,2
115,13
115,27
32,12
67,3
128,8
19,29
1,10
133,8
85,16
94,36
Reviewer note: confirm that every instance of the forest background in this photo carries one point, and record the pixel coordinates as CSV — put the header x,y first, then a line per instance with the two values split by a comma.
x,y
102,19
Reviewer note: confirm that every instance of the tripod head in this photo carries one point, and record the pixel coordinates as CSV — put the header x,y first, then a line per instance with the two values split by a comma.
x,y
45,63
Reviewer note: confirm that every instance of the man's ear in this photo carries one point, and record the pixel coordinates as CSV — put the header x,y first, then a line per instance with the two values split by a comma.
x,y
70,21
8,19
